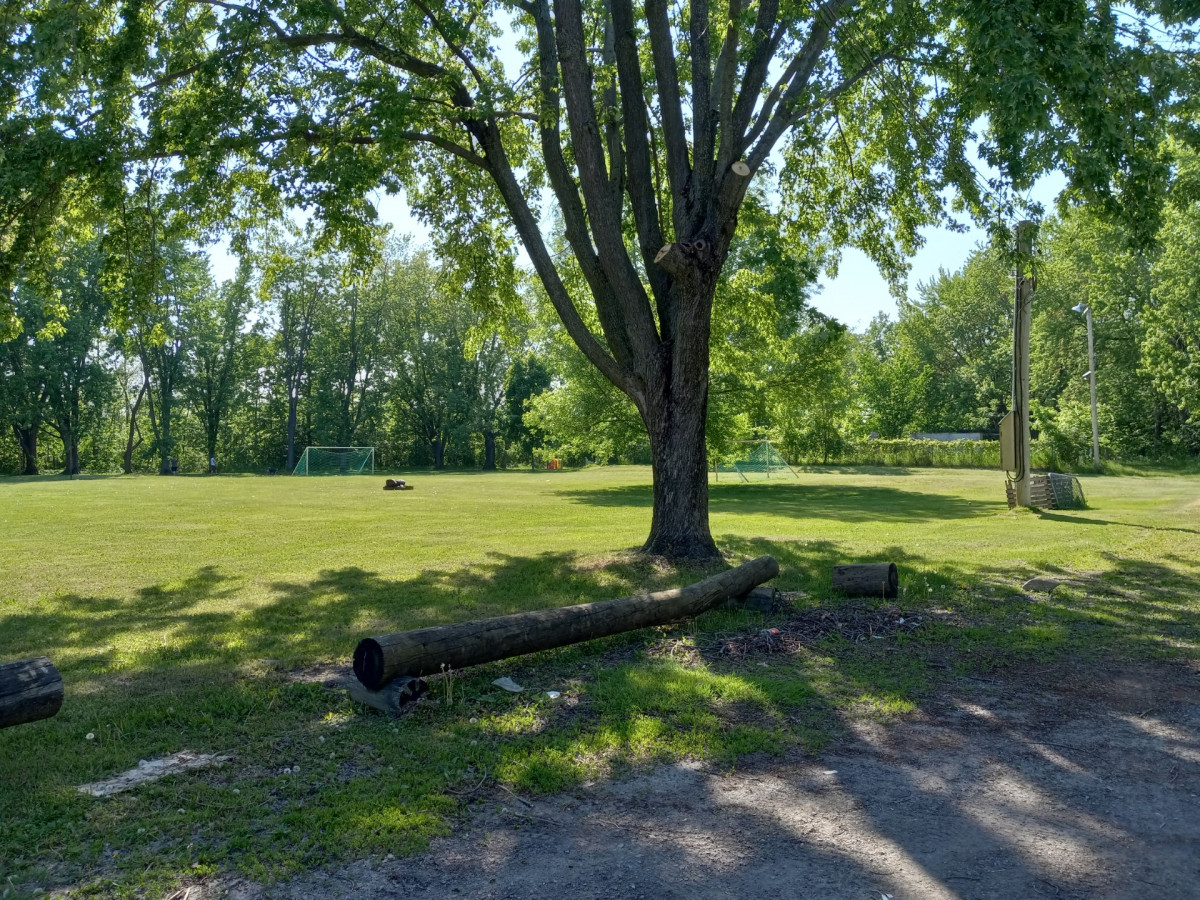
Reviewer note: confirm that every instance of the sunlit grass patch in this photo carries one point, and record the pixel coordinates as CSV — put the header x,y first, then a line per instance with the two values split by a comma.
x,y
189,614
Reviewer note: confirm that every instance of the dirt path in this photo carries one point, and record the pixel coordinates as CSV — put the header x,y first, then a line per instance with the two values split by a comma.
x,y
1082,784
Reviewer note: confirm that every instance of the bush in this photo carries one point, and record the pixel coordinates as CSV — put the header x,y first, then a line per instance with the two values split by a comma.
x,y
935,454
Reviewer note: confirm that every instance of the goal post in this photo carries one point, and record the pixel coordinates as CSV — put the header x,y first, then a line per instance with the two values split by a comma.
x,y
336,461
761,461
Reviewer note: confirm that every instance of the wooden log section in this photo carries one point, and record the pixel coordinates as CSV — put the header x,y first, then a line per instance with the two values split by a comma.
x,y
30,689
425,651
393,697
867,580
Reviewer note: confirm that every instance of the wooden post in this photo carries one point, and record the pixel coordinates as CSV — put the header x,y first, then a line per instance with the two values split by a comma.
x,y
30,689
427,650
1023,313
1092,385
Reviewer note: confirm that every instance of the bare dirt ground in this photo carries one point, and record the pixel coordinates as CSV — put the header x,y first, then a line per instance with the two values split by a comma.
x,y
1049,783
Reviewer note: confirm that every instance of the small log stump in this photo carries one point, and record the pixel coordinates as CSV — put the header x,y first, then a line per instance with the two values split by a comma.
x,y
30,689
867,580
392,697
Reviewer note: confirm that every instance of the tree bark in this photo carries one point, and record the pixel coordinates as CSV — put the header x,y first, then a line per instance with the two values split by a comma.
x,y
679,526
130,446
427,650
164,418
27,439
675,410
30,689
293,401
438,446
489,451
70,442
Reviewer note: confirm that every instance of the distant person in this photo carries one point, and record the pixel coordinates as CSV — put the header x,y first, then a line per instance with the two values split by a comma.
x,y
212,465
174,465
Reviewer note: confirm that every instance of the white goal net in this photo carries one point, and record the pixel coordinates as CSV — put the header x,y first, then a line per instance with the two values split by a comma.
x,y
336,461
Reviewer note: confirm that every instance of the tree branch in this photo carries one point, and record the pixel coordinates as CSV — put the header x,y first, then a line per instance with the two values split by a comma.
x,y
703,136
671,107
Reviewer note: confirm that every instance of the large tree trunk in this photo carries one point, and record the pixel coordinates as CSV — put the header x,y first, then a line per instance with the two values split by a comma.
x,y
489,451
70,444
675,410
293,399
679,527
27,438
164,449
130,446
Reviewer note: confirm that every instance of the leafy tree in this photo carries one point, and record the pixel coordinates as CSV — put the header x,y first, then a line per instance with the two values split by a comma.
x,y
215,325
434,388
76,378
296,282
23,388
1171,345
527,378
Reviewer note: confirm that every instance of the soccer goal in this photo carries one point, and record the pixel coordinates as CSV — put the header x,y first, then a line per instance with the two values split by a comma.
x,y
336,461
762,461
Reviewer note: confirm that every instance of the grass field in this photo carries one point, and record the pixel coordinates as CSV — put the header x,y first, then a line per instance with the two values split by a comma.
x,y
188,613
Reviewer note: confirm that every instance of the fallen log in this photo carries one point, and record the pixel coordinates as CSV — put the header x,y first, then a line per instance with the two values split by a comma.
x,y
427,650
867,580
30,689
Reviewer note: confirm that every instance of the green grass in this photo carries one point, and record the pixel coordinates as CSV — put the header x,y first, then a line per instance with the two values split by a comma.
x,y
180,609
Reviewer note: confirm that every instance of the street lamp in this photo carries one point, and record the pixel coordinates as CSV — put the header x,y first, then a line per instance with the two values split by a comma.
x,y
1090,375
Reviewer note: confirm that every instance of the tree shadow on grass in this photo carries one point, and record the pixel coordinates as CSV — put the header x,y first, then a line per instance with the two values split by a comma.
x,y
1084,520
635,710
846,503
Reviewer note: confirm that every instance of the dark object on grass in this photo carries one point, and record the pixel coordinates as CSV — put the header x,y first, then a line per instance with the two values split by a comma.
x,y
30,689
427,650
867,580
1041,584
760,599
392,697
396,484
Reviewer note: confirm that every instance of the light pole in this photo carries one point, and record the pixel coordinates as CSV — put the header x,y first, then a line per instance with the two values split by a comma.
x,y
1091,376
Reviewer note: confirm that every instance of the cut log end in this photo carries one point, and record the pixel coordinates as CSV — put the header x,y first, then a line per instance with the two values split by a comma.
x,y
663,252
741,169
867,580
30,689
368,663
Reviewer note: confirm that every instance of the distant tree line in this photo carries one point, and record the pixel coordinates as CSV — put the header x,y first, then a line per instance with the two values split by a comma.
x,y
944,363
130,357
306,345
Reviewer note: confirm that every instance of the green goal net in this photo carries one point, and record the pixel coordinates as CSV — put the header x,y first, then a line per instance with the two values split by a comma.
x,y
336,461
762,461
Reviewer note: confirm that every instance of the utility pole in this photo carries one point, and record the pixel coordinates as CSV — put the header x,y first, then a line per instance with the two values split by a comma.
x,y
1023,313
1091,377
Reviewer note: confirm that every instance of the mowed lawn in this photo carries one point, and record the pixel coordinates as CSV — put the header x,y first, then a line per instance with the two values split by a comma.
x,y
196,613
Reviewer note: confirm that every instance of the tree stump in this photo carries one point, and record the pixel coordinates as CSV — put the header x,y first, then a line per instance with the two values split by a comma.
x,y
392,697
30,689
867,580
